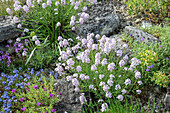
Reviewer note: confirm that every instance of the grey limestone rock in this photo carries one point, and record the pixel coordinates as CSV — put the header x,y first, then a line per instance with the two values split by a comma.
x,y
7,28
167,99
137,34
69,98
102,20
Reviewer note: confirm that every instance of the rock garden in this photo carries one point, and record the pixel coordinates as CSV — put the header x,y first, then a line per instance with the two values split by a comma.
x,y
86,56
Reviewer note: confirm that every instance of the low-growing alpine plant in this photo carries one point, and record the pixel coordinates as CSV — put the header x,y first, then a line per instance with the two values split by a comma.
x,y
100,68
28,91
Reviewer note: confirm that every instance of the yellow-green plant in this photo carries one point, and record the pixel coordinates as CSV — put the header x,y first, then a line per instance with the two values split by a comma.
x,y
156,10
161,79
148,57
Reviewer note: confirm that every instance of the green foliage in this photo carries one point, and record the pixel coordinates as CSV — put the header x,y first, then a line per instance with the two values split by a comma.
x,y
97,80
116,106
8,4
32,96
160,53
155,10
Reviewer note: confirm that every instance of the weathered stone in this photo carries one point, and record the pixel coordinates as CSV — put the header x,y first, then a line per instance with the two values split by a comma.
x,y
69,98
137,34
167,99
102,20
7,28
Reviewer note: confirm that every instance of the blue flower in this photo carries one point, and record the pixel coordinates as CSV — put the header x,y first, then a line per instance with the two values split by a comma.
x,y
15,71
13,97
3,82
20,68
40,79
51,72
10,83
8,88
28,77
25,79
0,78
32,71
16,75
15,100
0,99
21,77
3,74
37,74
4,105
25,75
16,84
4,101
41,70
9,100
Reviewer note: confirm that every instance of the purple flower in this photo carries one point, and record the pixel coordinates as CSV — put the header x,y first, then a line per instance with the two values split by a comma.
x,y
142,39
26,41
28,83
167,58
147,69
13,90
38,103
7,46
150,66
24,108
60,93
51,95
36,87
21,99
160,46
53,110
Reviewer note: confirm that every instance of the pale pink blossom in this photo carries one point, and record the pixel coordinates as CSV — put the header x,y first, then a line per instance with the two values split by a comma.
x,y
108,94
105,88
104,107
9,11
120,97
26,8
127,81
93,67
104,62
82,76
101,76
123,91
117,87
111,66
138,91
82,98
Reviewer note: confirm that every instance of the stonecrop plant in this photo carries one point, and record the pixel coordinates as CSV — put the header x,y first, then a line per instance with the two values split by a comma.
x,y
155,10
161,79
100,68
